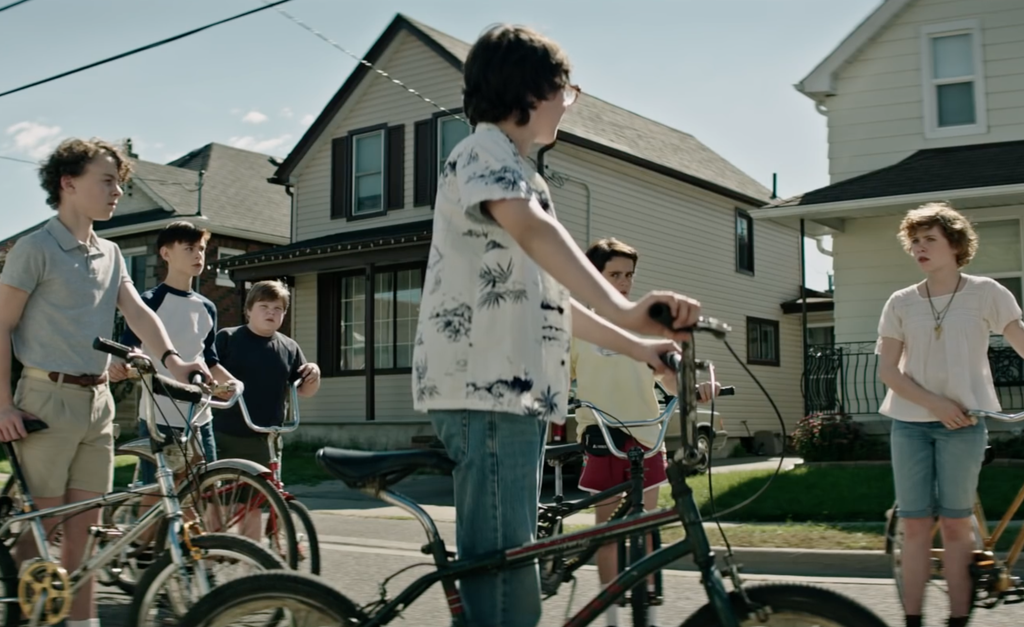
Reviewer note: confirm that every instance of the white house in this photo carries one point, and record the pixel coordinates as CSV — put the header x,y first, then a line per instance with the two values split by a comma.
x,y
363,181
924,101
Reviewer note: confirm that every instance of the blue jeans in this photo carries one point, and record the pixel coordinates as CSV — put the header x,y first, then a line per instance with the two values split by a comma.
x,y
497,487
936,469
147,471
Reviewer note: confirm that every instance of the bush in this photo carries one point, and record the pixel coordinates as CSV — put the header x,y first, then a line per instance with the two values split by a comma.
x,y
835,438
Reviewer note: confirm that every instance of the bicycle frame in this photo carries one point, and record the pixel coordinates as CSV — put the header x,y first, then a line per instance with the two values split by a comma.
x,y
990,540
694,543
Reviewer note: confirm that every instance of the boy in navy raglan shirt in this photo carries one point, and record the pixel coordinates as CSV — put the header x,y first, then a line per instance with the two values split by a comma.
x,y
191,321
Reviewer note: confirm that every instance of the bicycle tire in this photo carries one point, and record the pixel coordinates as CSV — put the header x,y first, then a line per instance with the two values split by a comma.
x,y
286,545
9,588
309,560
795,604
894,540
211,544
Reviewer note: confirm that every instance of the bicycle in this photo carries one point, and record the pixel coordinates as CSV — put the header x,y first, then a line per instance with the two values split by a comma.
x,y
994,582
44,588
550,518
375,473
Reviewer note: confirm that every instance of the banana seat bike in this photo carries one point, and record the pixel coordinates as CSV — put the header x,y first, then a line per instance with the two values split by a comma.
x,y
301,599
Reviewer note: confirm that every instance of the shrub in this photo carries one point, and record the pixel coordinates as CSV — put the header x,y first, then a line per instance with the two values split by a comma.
x,y
835,438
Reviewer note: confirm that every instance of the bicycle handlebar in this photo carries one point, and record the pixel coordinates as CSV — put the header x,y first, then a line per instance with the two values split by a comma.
x,y
293,407
660,312
982,413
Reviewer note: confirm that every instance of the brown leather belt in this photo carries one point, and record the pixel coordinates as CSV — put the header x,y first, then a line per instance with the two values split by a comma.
x,y
84,380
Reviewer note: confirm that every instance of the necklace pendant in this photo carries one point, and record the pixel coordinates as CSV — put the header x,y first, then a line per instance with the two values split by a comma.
x,y
938,331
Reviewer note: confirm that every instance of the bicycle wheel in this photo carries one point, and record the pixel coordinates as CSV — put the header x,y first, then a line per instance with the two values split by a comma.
x,y
273,599
305,537
162,595
895,534
790,605
234,501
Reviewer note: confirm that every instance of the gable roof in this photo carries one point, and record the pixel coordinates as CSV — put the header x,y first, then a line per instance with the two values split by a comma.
x,y
591,123
821,81
235,193
931,170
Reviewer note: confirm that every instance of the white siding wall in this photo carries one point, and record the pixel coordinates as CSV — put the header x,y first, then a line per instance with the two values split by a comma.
x,y
377,101
876,118
685,239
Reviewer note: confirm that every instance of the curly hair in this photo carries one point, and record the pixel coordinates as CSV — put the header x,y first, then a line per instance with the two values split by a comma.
x,y
70,159
957,229
508,70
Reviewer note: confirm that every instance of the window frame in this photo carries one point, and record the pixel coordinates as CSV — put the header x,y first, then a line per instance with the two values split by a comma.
x,y
130,253
929,84
777,344
738,215
354,137
1011,274
223,276
439,121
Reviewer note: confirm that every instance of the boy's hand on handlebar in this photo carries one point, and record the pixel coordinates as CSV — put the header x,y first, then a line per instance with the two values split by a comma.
x,y
182,370
118,371
685,312
309,372
705,391
650,352
224,390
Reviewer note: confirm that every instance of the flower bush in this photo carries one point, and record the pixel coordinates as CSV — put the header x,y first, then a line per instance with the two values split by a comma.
x,y
835,438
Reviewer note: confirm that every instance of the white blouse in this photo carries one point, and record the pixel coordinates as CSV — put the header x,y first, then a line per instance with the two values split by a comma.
x,y
954,364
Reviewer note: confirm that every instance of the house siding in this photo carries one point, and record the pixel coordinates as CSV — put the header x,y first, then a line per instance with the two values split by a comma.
x,y
877,117
376,101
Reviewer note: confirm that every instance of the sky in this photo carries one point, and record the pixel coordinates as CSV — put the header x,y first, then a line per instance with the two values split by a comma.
x,y
720,70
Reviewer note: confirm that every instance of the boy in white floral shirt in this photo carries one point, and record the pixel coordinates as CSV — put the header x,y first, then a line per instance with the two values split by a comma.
x,y
496,319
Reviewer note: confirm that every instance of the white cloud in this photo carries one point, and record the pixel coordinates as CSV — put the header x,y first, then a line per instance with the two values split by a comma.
x,y
255,117
248,142
287,112
308,119
35,140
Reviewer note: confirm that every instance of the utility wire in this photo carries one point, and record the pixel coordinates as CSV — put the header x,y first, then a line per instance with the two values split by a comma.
x,y
141,49
12,5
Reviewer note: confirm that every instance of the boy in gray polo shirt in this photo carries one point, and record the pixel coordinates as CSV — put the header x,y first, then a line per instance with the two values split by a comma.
x,y
58,291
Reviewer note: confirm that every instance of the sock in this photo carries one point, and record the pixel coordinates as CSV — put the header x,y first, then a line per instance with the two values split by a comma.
x,y
652,610
958,621
611,616
913,621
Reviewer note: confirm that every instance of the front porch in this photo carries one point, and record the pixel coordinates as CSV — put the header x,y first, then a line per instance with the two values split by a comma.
x,y
843,378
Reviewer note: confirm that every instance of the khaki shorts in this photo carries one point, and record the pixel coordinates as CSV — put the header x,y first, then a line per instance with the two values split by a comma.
x,y
237,447
77,450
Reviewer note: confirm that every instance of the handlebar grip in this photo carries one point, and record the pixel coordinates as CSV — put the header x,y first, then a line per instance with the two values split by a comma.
x,y
662,314
727,391
112,348
165,386
673,360
196,377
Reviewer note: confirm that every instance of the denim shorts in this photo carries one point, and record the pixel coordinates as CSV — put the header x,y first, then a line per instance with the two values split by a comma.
x,y
147,471
497,488
936,469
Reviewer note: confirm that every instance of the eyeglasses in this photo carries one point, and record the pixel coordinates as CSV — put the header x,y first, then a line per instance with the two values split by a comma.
x,y
571,93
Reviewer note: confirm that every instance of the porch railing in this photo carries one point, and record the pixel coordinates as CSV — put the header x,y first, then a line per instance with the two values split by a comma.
x,y
844,377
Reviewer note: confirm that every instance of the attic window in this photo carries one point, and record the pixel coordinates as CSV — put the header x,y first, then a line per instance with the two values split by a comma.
x,y
953,77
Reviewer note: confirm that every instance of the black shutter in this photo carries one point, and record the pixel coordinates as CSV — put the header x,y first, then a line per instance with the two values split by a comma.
x,y
396,167
341,177
424,166
328,323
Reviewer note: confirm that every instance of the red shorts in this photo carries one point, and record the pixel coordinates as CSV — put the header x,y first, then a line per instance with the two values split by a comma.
x,y
602,473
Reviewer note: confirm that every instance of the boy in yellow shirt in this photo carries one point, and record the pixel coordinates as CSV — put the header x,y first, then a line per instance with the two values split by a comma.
x,y
623,388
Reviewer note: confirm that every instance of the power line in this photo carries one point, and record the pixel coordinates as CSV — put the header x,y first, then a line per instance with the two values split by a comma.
x,y
364,62
132,178
142,49
12,5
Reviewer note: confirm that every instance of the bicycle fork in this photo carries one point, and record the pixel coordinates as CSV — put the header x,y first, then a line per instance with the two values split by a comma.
x,y
177,533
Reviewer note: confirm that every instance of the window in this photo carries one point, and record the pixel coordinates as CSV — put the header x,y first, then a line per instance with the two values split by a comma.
x,y
368,173
223,276
450,131
744,242
821,336
953,79
762,342
135,262
396,309
1000,257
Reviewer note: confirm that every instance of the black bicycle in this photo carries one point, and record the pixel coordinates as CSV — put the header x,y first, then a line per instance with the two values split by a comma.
x,y
288,598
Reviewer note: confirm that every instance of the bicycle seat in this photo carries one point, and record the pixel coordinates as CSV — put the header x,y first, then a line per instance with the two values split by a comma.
x,y
358,469
563,453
